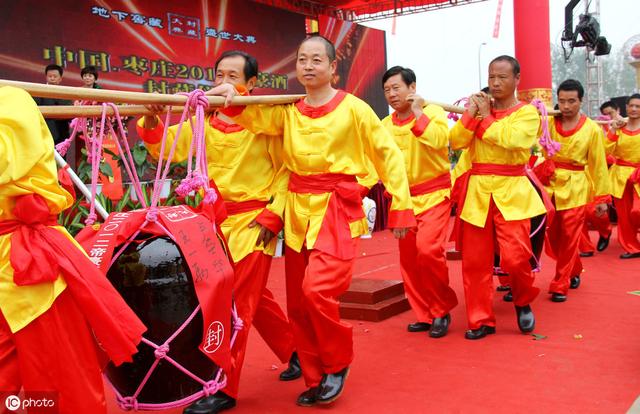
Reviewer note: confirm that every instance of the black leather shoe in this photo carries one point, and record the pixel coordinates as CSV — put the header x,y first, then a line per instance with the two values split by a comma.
x,y
211,405
481,332
440,326
558,297
293,371
629,255
603,243
331,386
526,320
575,282
508,297
503,288
418,327
308,398
586,254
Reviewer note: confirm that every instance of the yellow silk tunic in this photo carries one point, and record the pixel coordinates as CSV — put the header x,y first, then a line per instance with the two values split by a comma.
x,y
27,166
425,146
623,145
505,138
583,147
342,137
242,164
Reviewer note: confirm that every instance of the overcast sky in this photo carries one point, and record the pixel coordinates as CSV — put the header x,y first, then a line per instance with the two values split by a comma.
x,y
442,45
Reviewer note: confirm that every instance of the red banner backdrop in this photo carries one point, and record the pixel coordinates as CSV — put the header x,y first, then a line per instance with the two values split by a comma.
x,y
362,59
171,46
155,46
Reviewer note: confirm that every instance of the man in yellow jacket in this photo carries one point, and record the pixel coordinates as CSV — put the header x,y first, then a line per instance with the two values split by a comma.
x,y
423,137
243,166
497,199
624,144
576,174
330,140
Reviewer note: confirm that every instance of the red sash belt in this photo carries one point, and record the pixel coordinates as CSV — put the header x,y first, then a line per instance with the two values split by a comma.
x,y
39,253
345,206
441,182
546,169
568,166
635,176
484,169
244,206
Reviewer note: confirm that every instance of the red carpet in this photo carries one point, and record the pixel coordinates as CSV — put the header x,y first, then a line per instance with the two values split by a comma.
x,y
589,361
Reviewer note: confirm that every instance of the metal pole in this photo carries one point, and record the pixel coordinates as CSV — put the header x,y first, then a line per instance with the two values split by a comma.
x,y
78,182
480,65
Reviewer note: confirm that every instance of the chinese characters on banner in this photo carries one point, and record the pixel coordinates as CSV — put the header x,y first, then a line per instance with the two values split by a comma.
x,y
171,46
146,45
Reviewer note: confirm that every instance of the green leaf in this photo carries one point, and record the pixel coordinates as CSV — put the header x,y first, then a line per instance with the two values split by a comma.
x,y
106,169
634,292
139,154
145,194
76,219
113,154
538,337
125,199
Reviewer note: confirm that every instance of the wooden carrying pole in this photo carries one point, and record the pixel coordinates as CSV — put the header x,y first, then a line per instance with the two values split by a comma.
x,y
140,98
144,98
73,111
460,110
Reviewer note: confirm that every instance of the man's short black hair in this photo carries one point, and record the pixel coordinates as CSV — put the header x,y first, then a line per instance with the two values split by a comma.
x,y
609,104
513,61
571,85
408,76
54,67
329,46
89,70
250,63
634,96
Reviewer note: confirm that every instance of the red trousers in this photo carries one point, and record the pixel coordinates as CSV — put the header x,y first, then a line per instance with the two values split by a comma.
x,y
423,265
601,224
273,326
315,280
563,237
54,353
628,222
513,240
249,287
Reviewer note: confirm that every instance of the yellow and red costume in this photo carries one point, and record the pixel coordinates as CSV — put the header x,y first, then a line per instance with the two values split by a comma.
x,y
497,200
424,142
243,166
326,150
624,178
572,177
601,224
53,300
